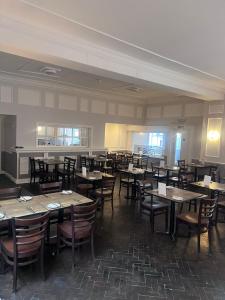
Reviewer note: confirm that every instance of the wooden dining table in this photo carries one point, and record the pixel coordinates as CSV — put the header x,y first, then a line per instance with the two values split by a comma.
x,y
56,162
175,196
199,166
212,187
93,176
16,208
167,169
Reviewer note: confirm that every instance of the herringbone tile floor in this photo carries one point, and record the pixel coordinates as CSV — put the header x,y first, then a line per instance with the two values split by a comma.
x,y
131,264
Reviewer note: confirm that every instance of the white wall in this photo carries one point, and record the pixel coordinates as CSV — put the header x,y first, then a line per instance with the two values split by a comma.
x,y
33,103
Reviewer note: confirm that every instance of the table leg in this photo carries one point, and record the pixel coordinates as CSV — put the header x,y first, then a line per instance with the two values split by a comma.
x,y
56,172
172,230
167,177
196,174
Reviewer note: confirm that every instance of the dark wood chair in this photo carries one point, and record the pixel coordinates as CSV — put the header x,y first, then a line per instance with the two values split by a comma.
x,y
159,175
144,162
79,230
27,244
83,162
50,187
82,186
10,193
108,166
44,175
47,188
181,163
126,180
220,207
199,221
6,194
186,178
34,172
150,206
105,192
68,171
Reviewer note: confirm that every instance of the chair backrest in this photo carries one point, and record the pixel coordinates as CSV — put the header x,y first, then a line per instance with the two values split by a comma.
x,y
108,183
42,166
181,163
50,187
29,232
186,178
83,216
72,164
10,193
83,161
140,189
206,210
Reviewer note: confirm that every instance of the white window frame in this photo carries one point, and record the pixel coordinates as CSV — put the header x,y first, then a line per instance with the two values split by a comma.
x,y
56,125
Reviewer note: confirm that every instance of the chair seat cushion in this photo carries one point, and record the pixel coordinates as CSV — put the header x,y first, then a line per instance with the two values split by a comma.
x,y
191,218
23,250
155,205
221,204
85,186
104,192
81,232
174,178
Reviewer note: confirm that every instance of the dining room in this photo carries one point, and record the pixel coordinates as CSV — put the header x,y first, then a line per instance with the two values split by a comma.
x,y
112,161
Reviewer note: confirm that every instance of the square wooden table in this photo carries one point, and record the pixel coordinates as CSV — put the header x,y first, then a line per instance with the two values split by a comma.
x,y
168,169
196,167
39,204
175,196
212,187
56,162
135,173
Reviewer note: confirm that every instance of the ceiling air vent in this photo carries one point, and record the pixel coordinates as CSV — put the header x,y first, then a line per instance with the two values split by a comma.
x,y
134,89
50,71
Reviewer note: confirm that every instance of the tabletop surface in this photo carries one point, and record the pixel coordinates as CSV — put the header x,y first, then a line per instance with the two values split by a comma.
x,y
198,165
177,195
53,161
212,186
93,176
170,168
38,204
134,171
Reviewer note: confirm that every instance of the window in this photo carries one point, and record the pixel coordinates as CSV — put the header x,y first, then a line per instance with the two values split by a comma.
x,y
63,136
156,143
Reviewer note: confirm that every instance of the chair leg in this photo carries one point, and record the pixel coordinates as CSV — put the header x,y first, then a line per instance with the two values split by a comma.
x,y
166,220
92,246
120,188
152,221
199,240
42,261
216,216
209,239
14,277
58,242
112,203
73,255
181,207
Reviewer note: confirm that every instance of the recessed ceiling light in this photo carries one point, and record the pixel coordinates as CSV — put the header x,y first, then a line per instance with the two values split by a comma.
x,y
50,70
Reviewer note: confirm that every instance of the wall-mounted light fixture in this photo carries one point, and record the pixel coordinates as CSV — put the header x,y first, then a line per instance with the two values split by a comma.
x,y
213,135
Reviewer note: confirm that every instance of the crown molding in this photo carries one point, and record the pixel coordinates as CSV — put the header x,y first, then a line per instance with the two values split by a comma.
x,y
60,50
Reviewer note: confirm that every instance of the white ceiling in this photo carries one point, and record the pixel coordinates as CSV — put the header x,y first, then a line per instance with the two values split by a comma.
x,y
27,68
188,32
